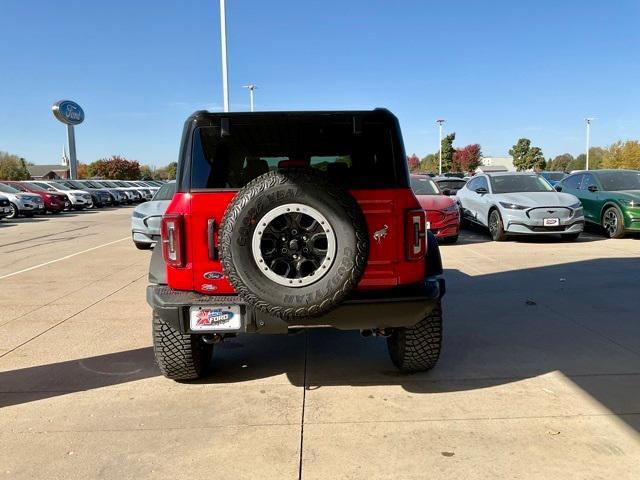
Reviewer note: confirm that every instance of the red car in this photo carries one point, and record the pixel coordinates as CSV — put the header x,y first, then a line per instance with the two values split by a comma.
x,y
443,214
53,202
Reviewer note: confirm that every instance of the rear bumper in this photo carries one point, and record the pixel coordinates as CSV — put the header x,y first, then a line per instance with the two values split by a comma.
x,y
401,307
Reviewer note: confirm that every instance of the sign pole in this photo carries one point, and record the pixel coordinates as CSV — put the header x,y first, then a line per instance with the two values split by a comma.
x,y
73,162
70,113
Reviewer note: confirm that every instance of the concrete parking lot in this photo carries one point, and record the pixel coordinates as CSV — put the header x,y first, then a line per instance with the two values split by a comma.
x,y
539,377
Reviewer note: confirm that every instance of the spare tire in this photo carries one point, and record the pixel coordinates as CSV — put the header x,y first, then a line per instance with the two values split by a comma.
x,y
293,244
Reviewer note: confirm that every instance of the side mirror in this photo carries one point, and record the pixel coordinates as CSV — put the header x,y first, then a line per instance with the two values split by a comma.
x,y
481,190
558,187
446,191
592,188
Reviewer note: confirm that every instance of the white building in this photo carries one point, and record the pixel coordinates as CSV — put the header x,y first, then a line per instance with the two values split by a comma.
x,y
506,162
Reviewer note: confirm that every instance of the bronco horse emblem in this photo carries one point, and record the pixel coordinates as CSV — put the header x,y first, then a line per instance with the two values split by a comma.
x,y
378,235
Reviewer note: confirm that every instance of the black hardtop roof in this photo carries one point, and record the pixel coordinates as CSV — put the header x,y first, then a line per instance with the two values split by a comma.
x,y
204,117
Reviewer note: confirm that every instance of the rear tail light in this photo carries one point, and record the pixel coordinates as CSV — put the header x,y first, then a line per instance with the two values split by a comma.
x,y
415,234
173,240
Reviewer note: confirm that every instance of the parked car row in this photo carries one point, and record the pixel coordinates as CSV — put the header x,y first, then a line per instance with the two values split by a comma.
x,y
37,197
527,203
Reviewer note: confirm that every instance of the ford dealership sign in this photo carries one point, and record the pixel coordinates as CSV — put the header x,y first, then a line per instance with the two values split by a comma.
x,y
68,112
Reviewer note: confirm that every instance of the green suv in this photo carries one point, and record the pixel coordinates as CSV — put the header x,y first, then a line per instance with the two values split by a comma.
x,y
610,198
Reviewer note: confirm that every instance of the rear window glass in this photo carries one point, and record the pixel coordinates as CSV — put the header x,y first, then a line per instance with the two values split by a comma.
x,y
256,145
451,184
424,186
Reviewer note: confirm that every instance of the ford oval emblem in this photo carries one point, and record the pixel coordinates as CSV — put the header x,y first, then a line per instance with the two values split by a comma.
x,y
213,275
68,112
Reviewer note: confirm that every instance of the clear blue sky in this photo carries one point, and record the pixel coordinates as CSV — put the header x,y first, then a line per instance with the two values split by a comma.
x,y
496,71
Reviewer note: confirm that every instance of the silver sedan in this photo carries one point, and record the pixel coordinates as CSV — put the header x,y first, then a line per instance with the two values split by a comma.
x,y
520,203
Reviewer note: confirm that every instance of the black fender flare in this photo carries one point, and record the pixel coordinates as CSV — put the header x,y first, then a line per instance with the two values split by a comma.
x,y
433,260
157,267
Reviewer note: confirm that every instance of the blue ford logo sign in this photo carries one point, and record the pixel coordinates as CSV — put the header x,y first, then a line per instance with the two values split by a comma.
x,y
68,112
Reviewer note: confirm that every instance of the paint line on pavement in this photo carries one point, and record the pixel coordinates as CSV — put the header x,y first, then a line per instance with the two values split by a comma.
x,y
62,258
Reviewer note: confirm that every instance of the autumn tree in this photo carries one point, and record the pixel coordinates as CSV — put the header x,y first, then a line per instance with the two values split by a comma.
x,y
467,159
13,167
83,170
116,168
526,157
413,162
621,155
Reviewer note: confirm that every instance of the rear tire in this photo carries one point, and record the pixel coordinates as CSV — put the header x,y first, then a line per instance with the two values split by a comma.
x,y
417,348
179,356
613,222
496,227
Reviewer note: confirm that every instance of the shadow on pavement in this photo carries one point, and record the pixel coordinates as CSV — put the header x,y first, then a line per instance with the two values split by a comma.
x,y
46,381
578,318
16,221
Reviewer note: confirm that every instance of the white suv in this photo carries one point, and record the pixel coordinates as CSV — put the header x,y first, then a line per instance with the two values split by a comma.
x,y
79,198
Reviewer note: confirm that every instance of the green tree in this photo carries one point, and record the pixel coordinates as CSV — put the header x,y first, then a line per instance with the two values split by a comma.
x,y
168,172
561,162
447,152
596,158
578,163
13,167
172,170
429,164
116,168
146,172
526,157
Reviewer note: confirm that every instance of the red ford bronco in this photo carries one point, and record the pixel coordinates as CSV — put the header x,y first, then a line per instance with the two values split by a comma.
x,y
283,221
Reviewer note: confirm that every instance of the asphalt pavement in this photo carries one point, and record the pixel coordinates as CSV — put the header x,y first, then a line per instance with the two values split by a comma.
x,y
539,375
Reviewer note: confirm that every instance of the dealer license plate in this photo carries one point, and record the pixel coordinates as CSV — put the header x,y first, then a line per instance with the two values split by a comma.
x,y
551,222
219,317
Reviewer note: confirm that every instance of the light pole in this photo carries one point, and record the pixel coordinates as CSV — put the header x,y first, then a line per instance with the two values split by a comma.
x,y
251,87
588,122
440,122
223,42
